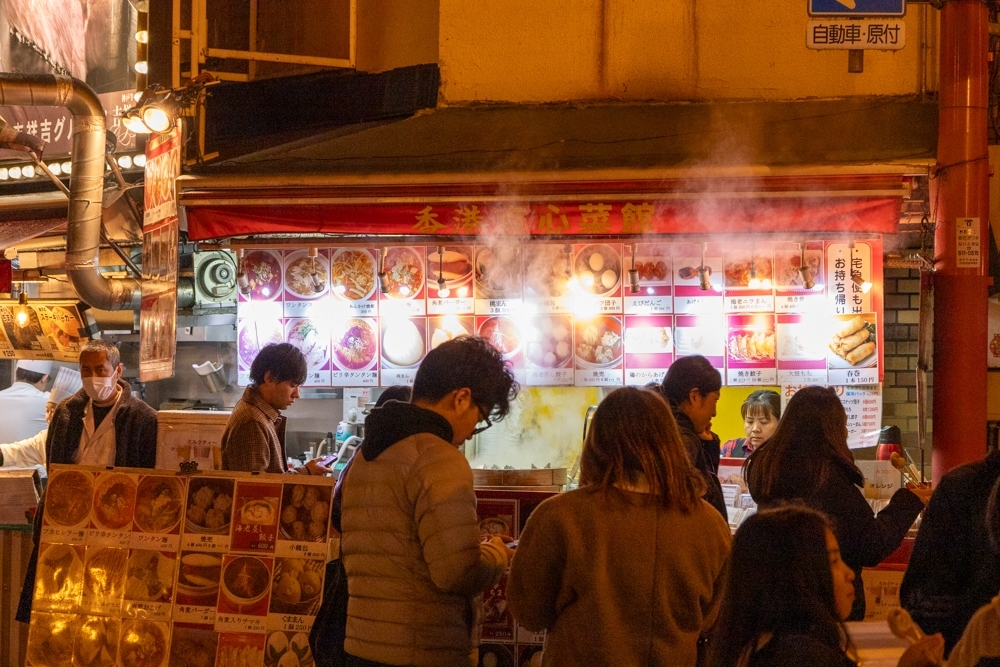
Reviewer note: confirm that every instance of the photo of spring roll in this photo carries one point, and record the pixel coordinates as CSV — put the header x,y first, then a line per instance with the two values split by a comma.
x,y
854,342
857,354
852,326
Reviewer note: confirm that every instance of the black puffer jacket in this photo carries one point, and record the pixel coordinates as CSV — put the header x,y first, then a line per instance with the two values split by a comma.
x,y
953,571
704,455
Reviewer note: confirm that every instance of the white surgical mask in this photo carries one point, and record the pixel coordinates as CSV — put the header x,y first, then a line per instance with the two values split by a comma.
x,y
100,389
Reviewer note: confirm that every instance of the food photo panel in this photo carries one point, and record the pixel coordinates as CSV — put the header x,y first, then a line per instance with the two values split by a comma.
x,y
649,348
68,503
96,642
50,639
698,278
143,643
547,271
62,326
446,327
597,277
149,584
244,593
263,270
549,351
208,512
354,280
404,344
104,570
59,577
749,278
159,507
193,645
497,285
801,348
449,280
598,352
303,528
257,325
240,649
853,350
652,263
405,279
701,334
113,509
505,334
197,587
296,593
255,516
312,337
282,643
794,263
751,350
355,352
307,282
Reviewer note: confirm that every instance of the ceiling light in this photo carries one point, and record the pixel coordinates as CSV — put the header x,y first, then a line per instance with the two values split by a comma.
x,y
3,174
141,67
861,282
132,120
22,316
28,171
139,160
15,172
55,168
142,36
125,161
67,167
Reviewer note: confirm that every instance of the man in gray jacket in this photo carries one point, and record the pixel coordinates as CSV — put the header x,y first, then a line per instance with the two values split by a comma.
x,y
415,565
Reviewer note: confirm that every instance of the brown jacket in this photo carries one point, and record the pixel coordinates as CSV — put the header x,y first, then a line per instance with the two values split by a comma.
x,y
254,439
615,582
411,550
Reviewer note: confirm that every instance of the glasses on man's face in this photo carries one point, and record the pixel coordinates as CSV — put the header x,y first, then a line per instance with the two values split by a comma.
x,y
484,417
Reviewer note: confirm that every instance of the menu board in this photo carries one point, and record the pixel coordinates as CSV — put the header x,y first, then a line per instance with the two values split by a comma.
x,y
863,405
41,331
762,311
154,568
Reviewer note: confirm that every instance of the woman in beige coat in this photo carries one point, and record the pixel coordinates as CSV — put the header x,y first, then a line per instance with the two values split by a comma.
x,y
627,569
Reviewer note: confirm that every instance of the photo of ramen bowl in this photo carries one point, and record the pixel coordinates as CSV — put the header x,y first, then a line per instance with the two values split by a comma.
x,y
404,272
305,277
245,581
263,269
354,345
114,501
598,269
143,643
68,498
503,333
158,504
352,274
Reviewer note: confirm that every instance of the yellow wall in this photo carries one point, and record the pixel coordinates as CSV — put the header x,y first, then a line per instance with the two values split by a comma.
x,y
529,51
396,34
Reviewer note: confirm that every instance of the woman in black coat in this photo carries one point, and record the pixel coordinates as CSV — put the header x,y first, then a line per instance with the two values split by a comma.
x,y
807,459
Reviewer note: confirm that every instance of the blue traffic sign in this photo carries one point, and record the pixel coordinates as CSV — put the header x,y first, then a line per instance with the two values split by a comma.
x,y
857,7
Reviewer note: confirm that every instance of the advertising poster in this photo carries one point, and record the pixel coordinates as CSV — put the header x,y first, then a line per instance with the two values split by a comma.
x,y
307,283
749,278
649,348
354,281
404,345
698,265
652,263
406,277
449,280
599,354
505,334
750,350
801,352
791,294
497,285
158,314
597,278
549,357
548,270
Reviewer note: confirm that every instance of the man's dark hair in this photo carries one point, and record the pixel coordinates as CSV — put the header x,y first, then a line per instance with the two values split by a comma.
x,y
467,362
397,392
285,362
31,377
687,373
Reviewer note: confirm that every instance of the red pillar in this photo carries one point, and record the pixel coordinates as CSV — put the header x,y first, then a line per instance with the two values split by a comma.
x,y
962,191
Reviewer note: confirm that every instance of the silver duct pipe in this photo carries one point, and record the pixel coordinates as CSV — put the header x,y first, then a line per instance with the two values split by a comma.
x,y
83,220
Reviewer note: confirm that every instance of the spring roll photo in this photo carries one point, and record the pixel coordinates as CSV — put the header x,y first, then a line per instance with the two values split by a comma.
x,y
859,353
853,325
850,342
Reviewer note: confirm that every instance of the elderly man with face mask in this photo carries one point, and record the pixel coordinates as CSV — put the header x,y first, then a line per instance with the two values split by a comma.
x,y
103,424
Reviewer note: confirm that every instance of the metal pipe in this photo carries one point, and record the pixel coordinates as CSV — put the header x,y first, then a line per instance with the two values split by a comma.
x,y
960,280
83,220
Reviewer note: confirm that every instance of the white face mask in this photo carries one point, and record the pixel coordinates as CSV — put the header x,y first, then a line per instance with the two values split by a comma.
x,y
100,389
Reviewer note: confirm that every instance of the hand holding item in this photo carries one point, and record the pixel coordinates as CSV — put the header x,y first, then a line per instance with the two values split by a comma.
x,y
315,467
500,543
922,491
923,650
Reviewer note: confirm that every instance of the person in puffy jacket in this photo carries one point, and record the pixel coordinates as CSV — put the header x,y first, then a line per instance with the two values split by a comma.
x,y
416,568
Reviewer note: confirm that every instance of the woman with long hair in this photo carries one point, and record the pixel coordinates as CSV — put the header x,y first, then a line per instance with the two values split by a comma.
x,y
787,594
807,459
625,570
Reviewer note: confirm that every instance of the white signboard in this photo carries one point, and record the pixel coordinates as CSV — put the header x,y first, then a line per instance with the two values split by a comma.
x,y
863,405
967,243
873,35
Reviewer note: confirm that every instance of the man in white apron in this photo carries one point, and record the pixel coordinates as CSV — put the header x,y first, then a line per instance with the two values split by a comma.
x,y
31,451
23,403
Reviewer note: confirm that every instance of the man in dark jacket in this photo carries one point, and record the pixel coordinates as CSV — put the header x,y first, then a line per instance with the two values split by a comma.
x,y
953,570
101,425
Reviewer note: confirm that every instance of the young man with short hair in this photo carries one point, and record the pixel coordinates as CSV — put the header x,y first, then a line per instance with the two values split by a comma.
x,y
411,545
254,439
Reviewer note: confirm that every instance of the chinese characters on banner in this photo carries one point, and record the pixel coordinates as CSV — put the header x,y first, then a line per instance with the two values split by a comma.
x,y
158,314
203,565
566,314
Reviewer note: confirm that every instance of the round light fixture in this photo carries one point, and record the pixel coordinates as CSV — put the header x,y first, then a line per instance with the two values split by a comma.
x,y
15,172
125,161
139,160
156,119
141,67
